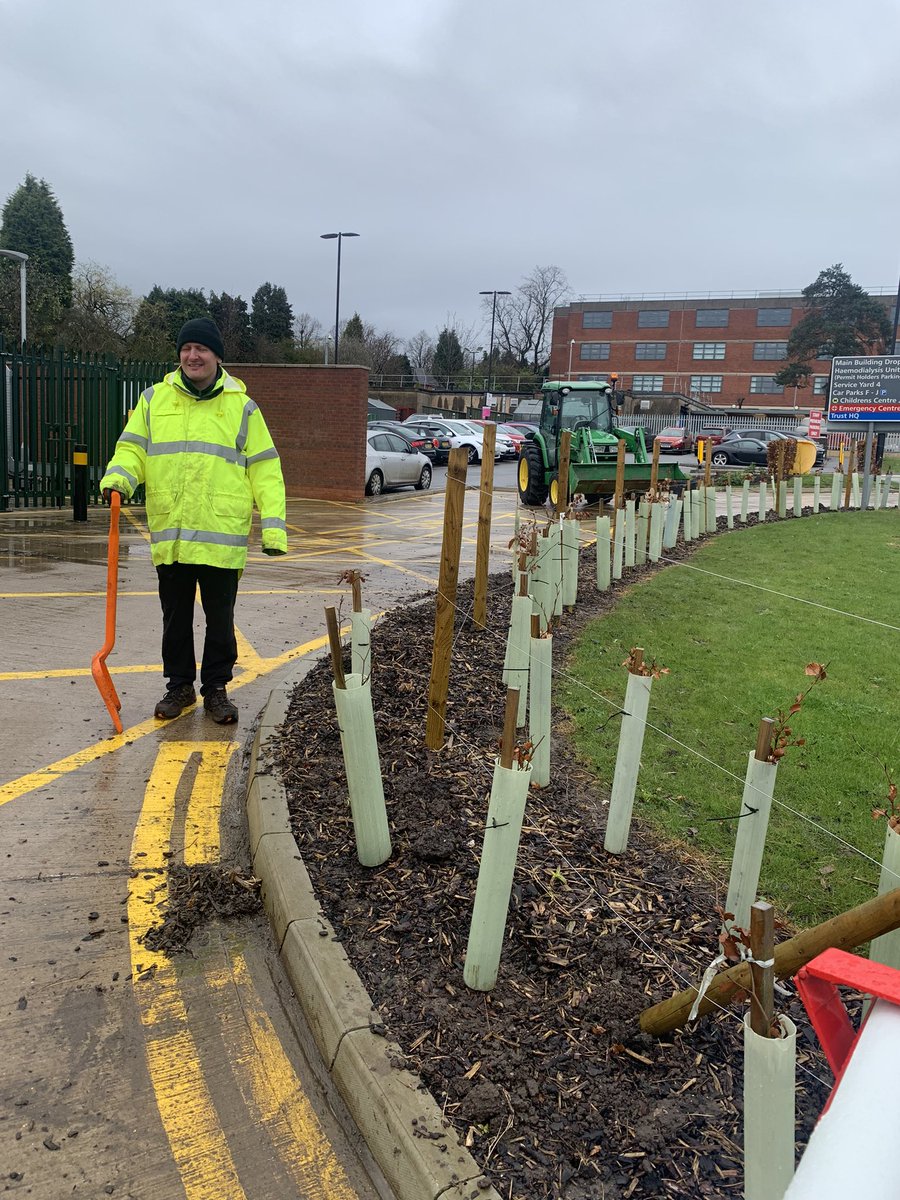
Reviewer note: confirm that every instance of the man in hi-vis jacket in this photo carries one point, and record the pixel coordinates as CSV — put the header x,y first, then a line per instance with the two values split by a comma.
x,y
200,446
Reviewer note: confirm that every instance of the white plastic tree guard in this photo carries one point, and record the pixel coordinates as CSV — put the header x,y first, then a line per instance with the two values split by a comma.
x,y
687,512
628,762
356,720
750,840
710,510
673,516
619,545
657,519
886,948
541,581
518,651
745,501
817,493
629,533
798,496
555,538
729,507
571,544
539,692
500,848
769,1102
640,533
604,554
837,486
763,500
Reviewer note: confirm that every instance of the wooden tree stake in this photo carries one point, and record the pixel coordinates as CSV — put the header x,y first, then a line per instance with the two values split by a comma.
x,y
562,474
356,586
445,603
483,543
654,466
334,642
762,947
508,745
764,739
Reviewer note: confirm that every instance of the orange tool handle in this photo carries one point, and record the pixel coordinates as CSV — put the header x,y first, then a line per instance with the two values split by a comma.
x,y
99,669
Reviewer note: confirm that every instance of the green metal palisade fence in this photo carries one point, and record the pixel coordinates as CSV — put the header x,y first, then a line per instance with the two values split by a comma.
x,y
53,400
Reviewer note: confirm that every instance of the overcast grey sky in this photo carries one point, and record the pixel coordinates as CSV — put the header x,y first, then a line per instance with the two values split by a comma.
x,y
639,145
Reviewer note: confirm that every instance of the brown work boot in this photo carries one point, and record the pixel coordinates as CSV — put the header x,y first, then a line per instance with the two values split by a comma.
x,y
219,707
175,701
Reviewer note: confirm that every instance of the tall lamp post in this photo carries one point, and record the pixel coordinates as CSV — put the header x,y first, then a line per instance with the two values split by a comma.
x,y
493,294
337,299
571,348
475,350
21,259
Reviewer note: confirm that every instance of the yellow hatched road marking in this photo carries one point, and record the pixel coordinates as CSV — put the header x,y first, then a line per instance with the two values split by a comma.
x,y
186,1110
81,758
201,822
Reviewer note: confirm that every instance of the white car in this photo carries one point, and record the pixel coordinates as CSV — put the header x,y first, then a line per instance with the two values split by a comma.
x,y
392,462
470,437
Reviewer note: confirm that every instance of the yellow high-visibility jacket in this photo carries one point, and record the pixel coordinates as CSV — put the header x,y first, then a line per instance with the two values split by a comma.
x,y
204,462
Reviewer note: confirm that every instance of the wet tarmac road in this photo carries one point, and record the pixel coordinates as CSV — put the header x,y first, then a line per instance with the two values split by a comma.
x,y
127,1074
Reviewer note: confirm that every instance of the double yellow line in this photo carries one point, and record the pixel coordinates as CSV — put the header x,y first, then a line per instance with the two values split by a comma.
x,y
263,1073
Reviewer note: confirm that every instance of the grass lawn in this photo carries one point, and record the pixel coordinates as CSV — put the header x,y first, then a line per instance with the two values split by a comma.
x,y
737,654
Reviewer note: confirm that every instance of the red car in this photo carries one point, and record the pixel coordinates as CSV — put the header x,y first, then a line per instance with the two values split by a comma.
x,y
674,439
510,432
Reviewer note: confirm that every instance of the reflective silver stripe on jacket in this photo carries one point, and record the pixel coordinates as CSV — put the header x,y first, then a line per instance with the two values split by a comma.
x,y
273,523
198,535
230,455
115,469
249,408
263,454
147,393
134,438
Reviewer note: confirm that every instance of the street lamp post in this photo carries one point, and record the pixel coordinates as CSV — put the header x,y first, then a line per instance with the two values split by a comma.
x,y
493,294
337,298
571,348
21,259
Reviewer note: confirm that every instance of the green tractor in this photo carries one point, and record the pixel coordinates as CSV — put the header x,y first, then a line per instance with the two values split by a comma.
x,y
587,410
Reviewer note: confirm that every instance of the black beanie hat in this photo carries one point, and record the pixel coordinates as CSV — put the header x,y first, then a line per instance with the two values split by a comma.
x,y
203,331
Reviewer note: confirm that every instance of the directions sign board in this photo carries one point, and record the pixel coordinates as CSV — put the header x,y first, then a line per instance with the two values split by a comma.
x,y
865,389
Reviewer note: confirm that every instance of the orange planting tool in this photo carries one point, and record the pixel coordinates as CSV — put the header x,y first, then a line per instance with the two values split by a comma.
x,y
99,669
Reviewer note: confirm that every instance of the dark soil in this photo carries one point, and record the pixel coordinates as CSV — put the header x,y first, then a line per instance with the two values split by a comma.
x,y
547,1079
198,893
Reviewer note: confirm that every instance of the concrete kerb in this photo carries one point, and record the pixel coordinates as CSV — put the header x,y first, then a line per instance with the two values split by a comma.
x,y
415,1147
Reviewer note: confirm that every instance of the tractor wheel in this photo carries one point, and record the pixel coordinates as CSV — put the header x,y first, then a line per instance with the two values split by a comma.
x,y
532,477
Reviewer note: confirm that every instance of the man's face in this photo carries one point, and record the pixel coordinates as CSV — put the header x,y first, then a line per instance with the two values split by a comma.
x,y
199,364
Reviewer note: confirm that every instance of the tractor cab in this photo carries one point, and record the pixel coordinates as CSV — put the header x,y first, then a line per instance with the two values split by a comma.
x,y
578,407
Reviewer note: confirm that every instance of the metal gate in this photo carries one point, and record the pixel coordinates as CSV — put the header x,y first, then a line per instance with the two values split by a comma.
x,y
53,401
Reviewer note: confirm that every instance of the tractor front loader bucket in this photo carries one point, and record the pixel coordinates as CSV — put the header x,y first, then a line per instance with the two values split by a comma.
x,y
99,669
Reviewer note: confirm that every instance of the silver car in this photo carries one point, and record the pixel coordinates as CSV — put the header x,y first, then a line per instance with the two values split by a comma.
x,y
392,462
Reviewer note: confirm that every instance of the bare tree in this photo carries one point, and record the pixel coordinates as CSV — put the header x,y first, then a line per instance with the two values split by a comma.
x,y
420,350
102,313
307,330
525,319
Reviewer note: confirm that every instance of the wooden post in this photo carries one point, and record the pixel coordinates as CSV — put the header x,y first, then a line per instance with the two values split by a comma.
x,y
562,475
356,586
764,733
845,931
848,480
334,642
508,744
445,603
762,947
483,543
707,468
619,499
654,466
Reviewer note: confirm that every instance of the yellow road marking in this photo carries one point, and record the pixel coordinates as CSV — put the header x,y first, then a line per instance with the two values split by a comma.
x,y
204,808
271,1091
396,566
185,1106
73,762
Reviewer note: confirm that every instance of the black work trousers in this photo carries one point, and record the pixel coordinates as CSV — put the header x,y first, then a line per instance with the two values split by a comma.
x,y
177,591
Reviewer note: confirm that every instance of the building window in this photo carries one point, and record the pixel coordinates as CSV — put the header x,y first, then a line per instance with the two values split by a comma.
x,y
709,350
770,350
653,318
773,316
765,385
706,383
649,350
712,318
647,383
820,385
596,320
594,350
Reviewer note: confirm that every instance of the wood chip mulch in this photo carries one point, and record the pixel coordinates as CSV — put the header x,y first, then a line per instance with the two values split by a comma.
x,y
197,893
547,1079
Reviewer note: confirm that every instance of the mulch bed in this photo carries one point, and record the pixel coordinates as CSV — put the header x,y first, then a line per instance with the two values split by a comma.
x,y
198,893
547,1079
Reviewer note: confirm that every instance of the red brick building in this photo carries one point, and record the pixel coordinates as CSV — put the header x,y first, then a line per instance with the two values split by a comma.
x,y
723,350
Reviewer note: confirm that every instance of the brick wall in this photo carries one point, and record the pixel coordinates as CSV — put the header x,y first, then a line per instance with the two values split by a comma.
x,y
317,418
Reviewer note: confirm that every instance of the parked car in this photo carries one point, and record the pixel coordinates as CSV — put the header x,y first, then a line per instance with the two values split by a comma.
x,y
757,434
461,433
711,435
674,439
392,462
417,438
752,451
513,436
441,439
527,428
